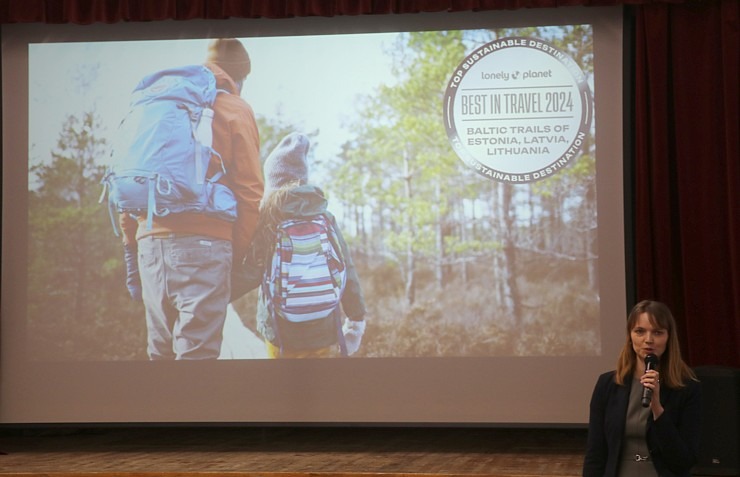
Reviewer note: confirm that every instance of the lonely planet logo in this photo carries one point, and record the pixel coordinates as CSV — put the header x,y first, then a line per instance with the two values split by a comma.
x,y
518,110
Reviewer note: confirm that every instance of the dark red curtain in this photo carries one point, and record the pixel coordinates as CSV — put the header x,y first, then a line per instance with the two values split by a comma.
x,y
686,188
687,172
111,11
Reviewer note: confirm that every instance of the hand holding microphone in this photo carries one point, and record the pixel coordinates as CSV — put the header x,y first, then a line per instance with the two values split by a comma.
x,y
651,363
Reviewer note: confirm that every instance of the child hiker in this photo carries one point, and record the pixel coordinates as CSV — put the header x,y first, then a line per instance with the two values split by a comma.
x,y
307,278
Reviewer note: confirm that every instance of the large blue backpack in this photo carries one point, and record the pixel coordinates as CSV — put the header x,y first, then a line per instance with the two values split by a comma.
x,y
303,284
162,149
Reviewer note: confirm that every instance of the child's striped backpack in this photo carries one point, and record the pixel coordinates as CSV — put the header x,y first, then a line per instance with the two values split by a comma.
x,y
304,283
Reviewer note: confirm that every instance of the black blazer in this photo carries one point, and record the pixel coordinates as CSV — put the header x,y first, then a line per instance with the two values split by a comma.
x,y
673,440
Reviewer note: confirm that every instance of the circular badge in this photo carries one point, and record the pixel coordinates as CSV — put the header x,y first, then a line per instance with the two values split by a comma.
x,y
518,110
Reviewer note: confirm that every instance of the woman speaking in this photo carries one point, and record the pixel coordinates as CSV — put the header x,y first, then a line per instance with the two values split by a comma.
x,y
645,416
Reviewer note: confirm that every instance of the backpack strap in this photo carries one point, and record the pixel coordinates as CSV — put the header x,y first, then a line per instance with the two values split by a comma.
x,y
151,202
271,298
333,243
271,310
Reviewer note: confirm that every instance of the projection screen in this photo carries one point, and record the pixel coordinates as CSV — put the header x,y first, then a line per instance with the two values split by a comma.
x,y
473,162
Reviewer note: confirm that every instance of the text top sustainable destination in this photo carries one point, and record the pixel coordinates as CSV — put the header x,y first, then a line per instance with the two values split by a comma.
x,y
518,110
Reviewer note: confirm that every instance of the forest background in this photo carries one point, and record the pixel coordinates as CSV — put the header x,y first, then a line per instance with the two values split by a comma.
x,y
451,263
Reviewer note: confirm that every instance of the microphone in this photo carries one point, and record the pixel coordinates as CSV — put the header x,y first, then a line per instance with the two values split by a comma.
x,y
651,362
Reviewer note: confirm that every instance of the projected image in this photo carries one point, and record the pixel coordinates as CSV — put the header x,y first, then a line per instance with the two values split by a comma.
x,y
458,169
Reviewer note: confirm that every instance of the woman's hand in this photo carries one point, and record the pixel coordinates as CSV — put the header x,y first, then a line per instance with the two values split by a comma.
x,y
651,380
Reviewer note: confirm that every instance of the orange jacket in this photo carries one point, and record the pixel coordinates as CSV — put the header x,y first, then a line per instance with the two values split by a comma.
x,y
236,139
